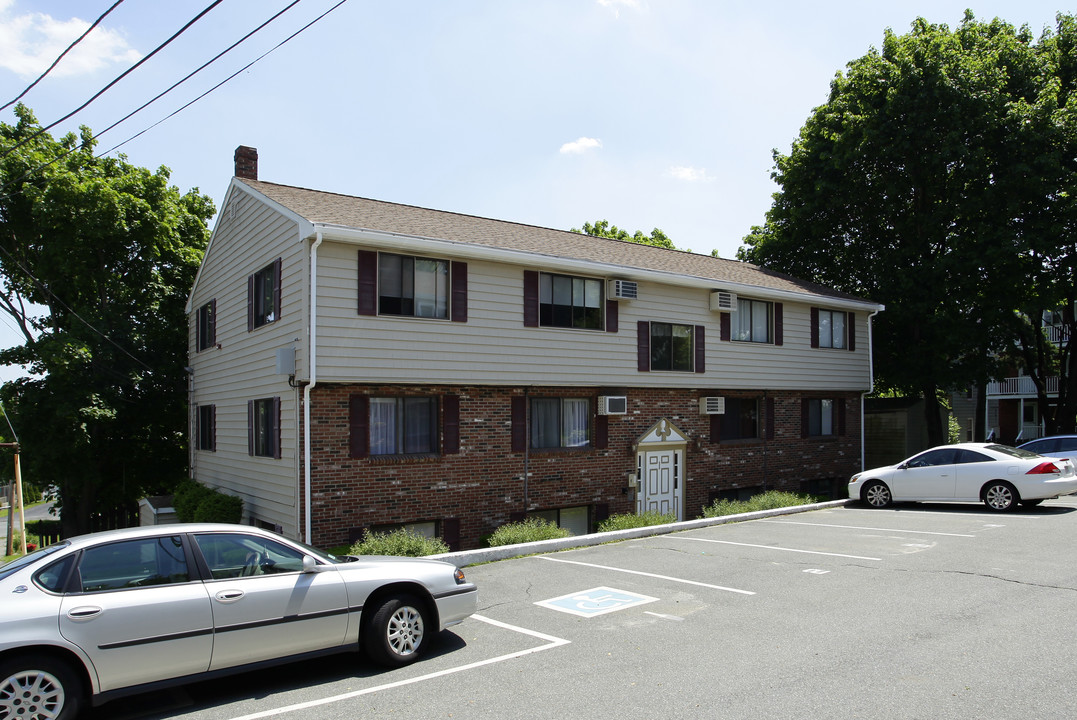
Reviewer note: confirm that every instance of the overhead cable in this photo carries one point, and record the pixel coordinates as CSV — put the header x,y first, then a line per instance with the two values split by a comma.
x,y
121,76
61,56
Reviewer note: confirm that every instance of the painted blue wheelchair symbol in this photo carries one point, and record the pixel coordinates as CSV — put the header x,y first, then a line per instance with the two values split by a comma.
x,y
596,601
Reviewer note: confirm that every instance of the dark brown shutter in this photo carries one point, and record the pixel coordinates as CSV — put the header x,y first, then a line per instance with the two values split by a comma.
x,y
643,346
531,298
250,427
726,330
716,428
613,308
250,303
276,289
450,533
368,282
839,409
213,428
701,349
805,417
815,327
602,432
358,426
450,424
519,424
458,279
770,418
779,323
274,429
212,322
850,330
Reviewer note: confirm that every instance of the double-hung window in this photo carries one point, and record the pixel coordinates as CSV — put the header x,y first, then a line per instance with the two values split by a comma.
x,y
560,422
570,302
671,347
263,427
831,329
263,296
207,427
403,425
206,329
821,417
752,321
741,419
413,286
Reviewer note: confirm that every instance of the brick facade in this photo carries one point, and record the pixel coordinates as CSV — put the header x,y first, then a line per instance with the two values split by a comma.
x,y
472,492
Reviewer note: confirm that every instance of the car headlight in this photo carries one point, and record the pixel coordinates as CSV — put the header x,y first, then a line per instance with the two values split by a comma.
x,y
458,575
855,478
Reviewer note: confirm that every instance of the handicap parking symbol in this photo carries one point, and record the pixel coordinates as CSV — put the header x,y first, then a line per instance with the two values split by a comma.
x,y
596,601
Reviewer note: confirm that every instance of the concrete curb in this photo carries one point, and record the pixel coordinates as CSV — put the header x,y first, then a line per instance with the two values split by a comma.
x,y
505,552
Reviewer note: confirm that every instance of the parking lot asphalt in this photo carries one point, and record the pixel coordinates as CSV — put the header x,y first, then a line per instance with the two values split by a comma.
x,y
918,611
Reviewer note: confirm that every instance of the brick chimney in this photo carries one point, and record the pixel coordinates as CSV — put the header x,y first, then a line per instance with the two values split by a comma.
x,y
246,162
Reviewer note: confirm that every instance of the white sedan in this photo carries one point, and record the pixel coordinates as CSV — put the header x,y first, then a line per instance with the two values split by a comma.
x,y
998,475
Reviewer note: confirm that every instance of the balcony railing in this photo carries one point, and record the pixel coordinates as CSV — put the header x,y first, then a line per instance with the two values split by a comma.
x,y
1020,386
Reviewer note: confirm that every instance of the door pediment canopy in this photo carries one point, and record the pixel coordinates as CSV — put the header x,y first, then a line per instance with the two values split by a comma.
x,y
662,432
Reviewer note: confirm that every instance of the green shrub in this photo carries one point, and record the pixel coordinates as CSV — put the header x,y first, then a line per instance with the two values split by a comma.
x,y
627,521
195,502
528,530
398,542
767,501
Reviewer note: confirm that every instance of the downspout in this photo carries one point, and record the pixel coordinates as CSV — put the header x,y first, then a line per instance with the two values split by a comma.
x,y
871,389
312,355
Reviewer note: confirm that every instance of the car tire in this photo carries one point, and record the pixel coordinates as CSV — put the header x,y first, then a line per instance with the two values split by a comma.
x,y
38,686
1000,496
876,494
1031,503
398,631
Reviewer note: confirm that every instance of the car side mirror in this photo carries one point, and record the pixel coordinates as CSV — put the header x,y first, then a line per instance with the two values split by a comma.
x,y
903,466
310,564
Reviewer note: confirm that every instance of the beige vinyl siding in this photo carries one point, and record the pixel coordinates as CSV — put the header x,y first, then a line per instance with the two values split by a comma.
x,y
494,347
243,368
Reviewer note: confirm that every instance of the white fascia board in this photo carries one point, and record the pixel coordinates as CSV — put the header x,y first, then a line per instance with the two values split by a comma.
x,y
433,246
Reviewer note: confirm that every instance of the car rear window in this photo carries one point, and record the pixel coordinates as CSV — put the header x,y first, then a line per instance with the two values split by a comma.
x,y
1012,451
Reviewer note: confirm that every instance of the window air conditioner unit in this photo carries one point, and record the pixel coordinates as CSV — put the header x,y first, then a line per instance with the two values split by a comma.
x,y
712,406
622,290
612,405
722,300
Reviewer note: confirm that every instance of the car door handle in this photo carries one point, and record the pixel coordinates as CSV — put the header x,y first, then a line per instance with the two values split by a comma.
x,y
227,596
84,613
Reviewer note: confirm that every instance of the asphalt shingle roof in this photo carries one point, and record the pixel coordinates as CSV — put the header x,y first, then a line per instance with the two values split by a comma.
x,y
361,213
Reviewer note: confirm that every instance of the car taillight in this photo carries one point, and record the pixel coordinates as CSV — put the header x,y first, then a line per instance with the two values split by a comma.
x,y
1044,468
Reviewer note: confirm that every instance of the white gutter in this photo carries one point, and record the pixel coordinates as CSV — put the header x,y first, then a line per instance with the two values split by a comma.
x,y
434,246
312,360
871,387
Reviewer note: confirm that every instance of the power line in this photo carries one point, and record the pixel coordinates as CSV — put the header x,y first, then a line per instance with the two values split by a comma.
x,y
61,55
121,76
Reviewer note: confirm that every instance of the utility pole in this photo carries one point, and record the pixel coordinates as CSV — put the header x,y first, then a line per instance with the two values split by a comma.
x,y
16,501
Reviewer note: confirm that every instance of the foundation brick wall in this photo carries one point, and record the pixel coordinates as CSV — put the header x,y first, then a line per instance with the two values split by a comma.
x,y
482,486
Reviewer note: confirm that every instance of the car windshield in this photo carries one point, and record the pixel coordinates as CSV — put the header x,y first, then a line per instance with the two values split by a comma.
x,y
321,554
30,558
1012,451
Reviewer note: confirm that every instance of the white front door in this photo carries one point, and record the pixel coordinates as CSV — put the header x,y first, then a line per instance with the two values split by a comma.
x,y
660,488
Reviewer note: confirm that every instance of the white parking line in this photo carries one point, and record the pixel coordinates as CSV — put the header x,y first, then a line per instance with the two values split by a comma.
x,y
551,641
874,529
997,516
646,574
769,547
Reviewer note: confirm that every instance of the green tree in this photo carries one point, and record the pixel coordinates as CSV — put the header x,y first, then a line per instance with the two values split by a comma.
x,y
109,251
925,183
602,228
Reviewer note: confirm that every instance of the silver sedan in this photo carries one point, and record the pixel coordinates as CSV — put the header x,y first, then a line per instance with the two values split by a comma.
x,y
104,615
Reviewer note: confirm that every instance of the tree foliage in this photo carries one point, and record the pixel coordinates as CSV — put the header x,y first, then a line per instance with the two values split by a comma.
x,y
97,257
602,228
934,180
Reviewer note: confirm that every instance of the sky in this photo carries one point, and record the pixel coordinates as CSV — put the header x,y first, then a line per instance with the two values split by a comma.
x,y
646,113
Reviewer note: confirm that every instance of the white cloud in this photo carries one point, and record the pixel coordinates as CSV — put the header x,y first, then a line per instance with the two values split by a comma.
x,y
690,174
581,145
616,5
30,42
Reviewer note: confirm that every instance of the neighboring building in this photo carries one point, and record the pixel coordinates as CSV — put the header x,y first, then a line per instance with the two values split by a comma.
x,y
452,373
